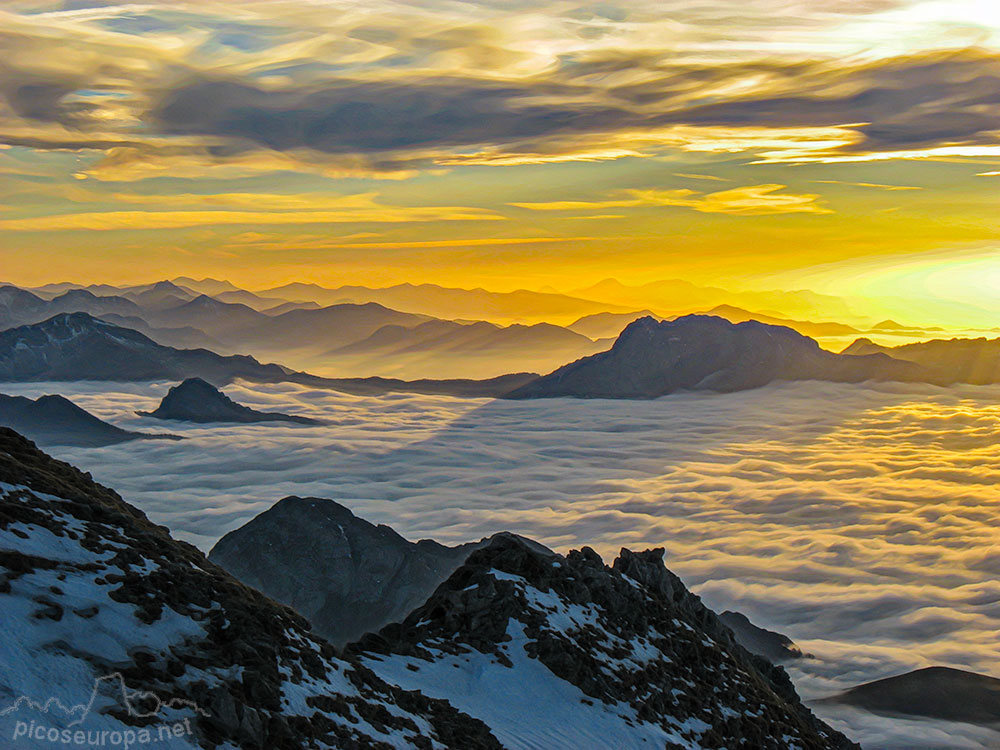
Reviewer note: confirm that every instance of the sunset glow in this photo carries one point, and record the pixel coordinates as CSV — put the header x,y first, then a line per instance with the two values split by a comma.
x,y
506,145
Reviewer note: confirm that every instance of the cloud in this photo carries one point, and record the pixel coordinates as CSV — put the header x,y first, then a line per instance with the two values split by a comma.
x,y
876,185
701,177
750,200
409,86
266,209
858,519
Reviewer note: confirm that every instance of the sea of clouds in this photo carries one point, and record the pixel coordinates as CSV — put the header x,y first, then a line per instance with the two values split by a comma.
x,y
860,520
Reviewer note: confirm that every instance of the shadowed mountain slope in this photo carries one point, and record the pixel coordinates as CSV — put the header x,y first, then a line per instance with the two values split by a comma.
x,y
699,352
194,400
54,420
90,589
934,693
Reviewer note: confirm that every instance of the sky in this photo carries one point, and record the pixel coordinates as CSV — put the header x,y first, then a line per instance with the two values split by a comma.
x,y
848,146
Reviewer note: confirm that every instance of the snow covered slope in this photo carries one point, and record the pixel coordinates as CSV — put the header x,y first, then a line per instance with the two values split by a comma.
x,y
109,625
563,652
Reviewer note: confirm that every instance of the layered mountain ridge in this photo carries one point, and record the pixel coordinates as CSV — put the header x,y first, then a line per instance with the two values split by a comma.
x,y
90,588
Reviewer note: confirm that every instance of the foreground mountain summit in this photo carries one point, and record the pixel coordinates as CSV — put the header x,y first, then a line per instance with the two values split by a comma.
x,y
93,593
588,656
707,353
549,651
348,576
519,648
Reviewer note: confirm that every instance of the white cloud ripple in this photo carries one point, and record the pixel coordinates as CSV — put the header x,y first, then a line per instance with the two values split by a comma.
x,y
859,520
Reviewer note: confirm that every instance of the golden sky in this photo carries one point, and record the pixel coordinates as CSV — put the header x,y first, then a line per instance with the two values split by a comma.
x,y
849,146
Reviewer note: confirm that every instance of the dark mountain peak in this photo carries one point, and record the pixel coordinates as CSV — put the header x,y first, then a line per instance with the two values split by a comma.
x,y
706,352
55,420
932,692
774,647
197,400
345,574
237,668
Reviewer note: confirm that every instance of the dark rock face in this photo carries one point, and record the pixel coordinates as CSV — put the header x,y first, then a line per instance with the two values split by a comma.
x,y
645,660
54,420
774,647
700,352
76,346
933,693
89,588
346,575
194,400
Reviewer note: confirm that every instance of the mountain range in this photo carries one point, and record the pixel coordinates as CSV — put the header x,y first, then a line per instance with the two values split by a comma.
x,y
361,576
77,346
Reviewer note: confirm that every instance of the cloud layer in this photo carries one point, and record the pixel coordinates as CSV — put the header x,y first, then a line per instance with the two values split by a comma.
x,y
858,520
345,88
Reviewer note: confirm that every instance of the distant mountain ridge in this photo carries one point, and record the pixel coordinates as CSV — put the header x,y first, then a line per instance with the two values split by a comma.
x,y
195,400
77,346
55,420
698,352
975,361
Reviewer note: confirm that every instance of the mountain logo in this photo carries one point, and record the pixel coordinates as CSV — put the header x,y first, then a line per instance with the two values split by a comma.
x,y
66,723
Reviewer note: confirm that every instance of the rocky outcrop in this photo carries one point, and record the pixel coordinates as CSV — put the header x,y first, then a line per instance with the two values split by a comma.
x,y
590,656
702,352
772,646
54,420
347,576
91,590
932,693
195,400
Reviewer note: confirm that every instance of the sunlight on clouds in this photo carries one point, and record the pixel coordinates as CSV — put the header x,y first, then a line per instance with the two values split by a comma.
x,y
271,209
750,200
857,519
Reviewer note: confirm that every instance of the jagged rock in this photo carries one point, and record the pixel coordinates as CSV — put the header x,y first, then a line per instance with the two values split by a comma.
x,y
589,656
118,599
195,400
346,575
703,352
